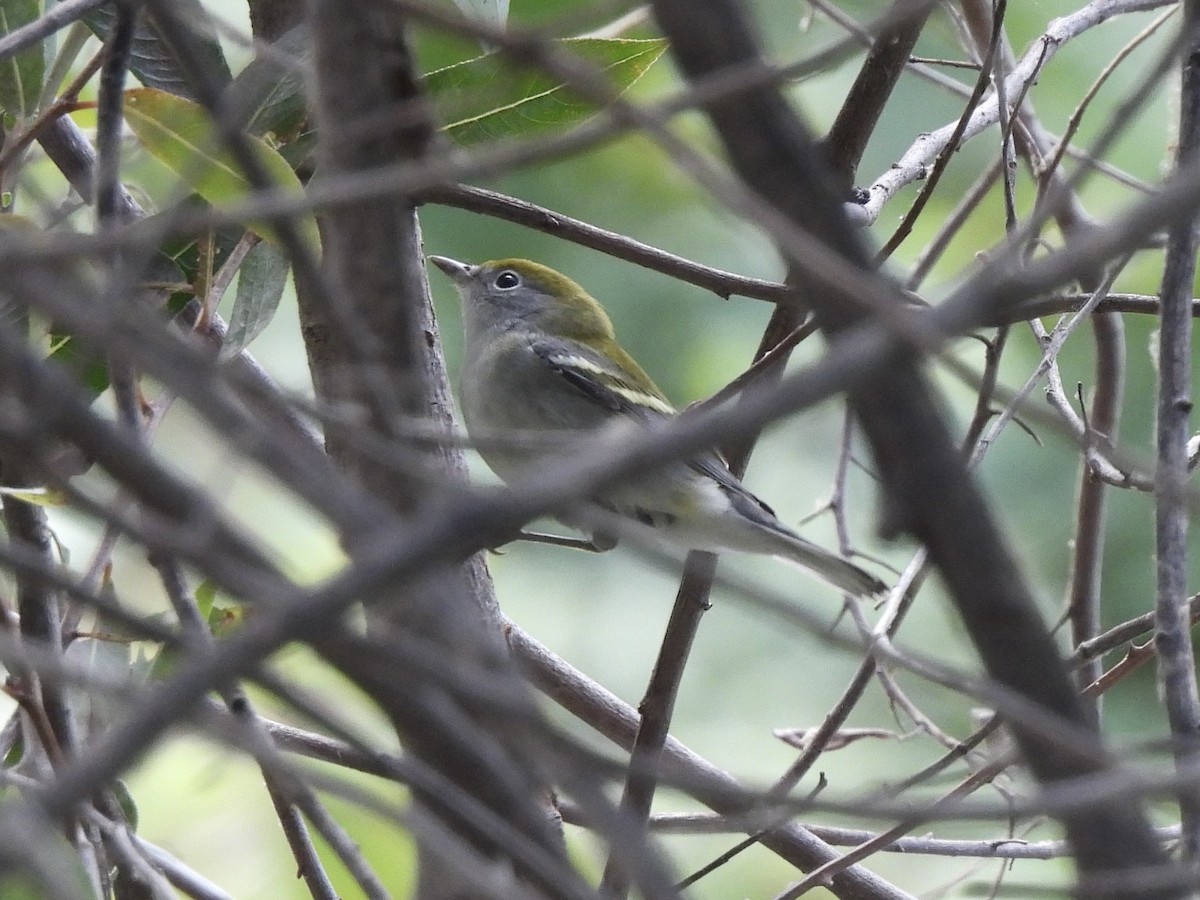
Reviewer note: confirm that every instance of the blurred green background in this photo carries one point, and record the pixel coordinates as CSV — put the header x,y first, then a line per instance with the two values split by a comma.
x,y
749,673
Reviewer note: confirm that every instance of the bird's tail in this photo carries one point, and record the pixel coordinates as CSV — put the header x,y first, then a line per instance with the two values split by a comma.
x,y
843,575
766,534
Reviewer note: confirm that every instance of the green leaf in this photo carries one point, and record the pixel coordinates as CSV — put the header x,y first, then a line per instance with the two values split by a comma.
x,y
220,618
183,253
223,620
151,59
16,752
68,863
89,368
22,74
125,801
261,280
180,135
487,97
268,95
206,595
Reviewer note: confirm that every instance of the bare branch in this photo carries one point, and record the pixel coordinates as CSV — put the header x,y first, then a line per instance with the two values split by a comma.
x,y
1176,666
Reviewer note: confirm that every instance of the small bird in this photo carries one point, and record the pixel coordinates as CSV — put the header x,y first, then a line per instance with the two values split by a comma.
x,y
541,356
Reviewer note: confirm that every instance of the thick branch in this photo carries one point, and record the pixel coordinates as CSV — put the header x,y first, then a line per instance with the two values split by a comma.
x,y
373,346
928,490
1176,665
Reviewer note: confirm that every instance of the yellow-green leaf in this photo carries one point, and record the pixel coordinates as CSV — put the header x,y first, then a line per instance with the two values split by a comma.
x,y
180,135
487,97
38,496
21,74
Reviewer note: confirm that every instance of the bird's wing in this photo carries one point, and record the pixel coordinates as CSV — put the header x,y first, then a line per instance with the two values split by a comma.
x,y
712,464
607,385
601,381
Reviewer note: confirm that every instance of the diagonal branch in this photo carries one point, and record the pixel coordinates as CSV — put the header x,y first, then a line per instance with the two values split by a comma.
x,y
928,490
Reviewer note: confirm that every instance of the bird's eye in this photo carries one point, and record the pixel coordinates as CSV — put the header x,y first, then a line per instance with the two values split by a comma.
x,y
507,280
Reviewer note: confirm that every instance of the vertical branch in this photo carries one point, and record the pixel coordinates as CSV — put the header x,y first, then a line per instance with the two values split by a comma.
x,y
364,339
658,706
110,119
373,347
38,607
308,864
110,112
1087,561
1176,666
1108,330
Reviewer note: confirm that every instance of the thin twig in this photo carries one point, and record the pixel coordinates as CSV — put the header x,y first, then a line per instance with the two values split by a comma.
x,y
522,212
933,175
913,164
1081,108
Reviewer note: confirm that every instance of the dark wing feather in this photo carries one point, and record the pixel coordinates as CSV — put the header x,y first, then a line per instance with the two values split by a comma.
x,y
710,463
597,378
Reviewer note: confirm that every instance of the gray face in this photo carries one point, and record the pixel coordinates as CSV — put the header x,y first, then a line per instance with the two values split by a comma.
x,y
492,295
516,294
502,297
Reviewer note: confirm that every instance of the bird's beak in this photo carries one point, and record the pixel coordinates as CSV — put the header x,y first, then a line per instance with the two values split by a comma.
x,y
458,271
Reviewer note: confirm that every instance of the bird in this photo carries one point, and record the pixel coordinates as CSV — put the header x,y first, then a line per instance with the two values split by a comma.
x,y
541,357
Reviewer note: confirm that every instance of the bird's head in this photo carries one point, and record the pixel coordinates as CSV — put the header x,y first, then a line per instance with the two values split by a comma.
x,y
516,293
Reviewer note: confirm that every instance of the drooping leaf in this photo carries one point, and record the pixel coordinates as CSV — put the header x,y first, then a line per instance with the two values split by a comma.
x,y
487,97
180,135
300,150
21,74
205,594
105,654
125,801
151,58
261,280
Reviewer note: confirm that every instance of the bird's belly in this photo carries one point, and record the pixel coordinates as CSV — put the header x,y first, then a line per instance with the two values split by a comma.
x,y
668,498
543,426
512,443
